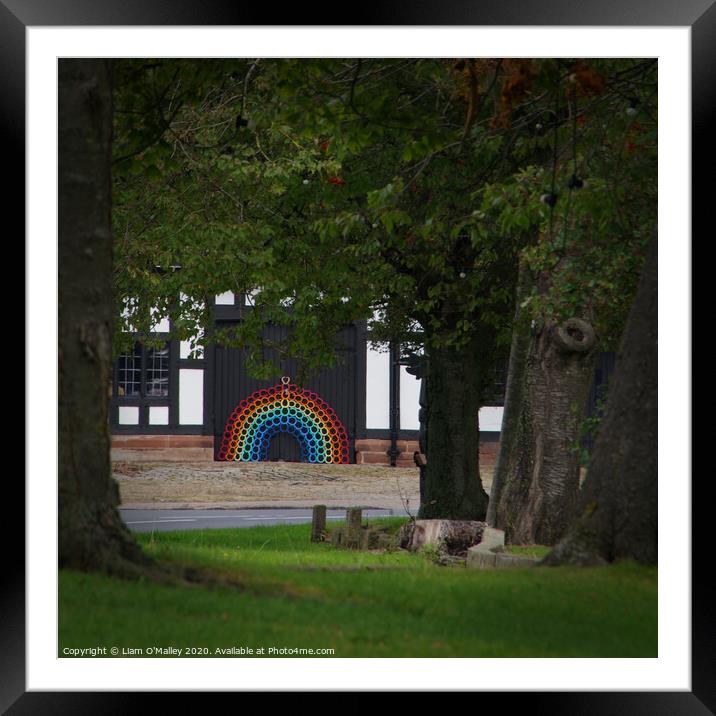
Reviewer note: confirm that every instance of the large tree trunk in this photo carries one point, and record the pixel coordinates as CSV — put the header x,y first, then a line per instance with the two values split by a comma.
x,y
514,392
456,383
618,504
91,533
536,484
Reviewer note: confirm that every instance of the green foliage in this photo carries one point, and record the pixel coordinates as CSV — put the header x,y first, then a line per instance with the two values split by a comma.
x,y
398,191
431,553
590,426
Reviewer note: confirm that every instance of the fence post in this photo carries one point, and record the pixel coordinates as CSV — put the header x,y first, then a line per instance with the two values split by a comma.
x,y
318,525
354,519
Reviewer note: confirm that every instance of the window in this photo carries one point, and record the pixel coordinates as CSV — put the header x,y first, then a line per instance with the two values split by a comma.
x,y
157,372
144,388
129,373
143,373
147,379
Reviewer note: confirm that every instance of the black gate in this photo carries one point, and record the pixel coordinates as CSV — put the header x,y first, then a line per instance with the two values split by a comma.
x,y
336,385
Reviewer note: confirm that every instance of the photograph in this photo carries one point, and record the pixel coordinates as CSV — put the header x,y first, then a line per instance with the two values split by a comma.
x,y
370,341
373,357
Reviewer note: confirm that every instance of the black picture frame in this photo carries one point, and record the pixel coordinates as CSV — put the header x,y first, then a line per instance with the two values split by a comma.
x,y
699,15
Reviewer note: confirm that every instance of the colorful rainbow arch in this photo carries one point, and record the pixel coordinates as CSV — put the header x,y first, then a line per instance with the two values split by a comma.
x,y
284,408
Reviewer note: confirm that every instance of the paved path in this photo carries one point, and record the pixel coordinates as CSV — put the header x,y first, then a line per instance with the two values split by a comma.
x,y
169,520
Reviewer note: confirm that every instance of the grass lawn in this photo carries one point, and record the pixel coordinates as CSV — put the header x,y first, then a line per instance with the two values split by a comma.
x,y
536,551
393,604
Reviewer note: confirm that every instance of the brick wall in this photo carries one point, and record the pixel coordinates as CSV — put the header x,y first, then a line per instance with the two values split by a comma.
x,y
162,448
373,451
488,452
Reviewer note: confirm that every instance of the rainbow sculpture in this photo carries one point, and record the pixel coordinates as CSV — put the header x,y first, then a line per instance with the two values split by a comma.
x,y
284,408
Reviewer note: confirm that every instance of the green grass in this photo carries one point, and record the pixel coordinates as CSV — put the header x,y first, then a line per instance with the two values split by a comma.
x,y
295,594
530,550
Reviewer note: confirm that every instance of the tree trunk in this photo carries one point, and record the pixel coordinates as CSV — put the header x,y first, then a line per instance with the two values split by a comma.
x,y
514,392
618,505
456,382
536,484
91,535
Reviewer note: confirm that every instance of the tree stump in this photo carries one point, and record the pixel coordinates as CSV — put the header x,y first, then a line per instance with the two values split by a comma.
x,y
452,537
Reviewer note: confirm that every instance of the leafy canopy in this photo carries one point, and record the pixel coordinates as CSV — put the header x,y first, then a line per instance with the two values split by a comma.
x,y
402,192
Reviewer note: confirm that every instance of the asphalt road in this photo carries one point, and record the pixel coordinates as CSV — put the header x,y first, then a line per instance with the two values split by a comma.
x,y
168,520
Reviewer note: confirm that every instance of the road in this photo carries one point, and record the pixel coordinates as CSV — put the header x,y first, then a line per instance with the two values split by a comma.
x,y
168,520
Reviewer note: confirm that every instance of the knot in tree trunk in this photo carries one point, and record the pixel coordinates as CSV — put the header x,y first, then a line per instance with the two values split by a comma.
x,y
575,335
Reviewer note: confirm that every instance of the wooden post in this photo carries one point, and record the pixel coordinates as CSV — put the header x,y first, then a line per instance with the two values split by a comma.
x,y
318,526
354,519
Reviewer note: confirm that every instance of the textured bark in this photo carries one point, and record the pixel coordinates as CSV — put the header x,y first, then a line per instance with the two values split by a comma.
x,y
618,505
456,382
514,392
538,463
91,534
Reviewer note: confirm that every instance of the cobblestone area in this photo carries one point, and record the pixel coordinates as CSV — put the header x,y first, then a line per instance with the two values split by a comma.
x,y
232,485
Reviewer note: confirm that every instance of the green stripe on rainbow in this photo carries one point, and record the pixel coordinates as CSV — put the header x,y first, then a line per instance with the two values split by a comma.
x,y
284,408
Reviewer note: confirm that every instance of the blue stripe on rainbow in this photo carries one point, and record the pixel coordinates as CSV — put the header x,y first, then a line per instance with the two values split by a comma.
x,y
284,409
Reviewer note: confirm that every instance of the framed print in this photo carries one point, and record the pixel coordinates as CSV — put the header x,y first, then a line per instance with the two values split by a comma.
x,y
37,37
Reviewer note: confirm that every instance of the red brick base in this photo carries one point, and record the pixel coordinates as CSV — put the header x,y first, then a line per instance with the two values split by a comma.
x,y
200,448
162,448
375,452
488,452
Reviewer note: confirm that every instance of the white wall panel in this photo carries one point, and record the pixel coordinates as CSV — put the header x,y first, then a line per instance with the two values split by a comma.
x,y
225,299
127,305
377,399
191,396
158,415
188,305
250,296
409,400
128,415
161,326
491,418
185,350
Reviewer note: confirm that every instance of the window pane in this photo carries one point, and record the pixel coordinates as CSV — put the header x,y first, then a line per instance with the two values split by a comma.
x,y
158,371
129,372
